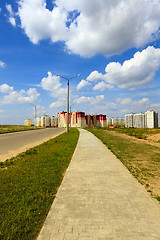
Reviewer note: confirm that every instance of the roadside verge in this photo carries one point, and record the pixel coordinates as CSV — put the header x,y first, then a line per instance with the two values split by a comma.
x,y
29,183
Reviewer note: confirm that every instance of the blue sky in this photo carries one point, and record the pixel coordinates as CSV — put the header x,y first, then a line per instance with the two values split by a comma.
x,y
114,45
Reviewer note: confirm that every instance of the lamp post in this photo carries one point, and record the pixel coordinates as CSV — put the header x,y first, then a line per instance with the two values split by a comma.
x,y
68,79
35,113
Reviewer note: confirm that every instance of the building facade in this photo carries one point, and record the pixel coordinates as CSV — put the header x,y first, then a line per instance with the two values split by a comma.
x,y
46,121
28,122
151,119
148,119
79,119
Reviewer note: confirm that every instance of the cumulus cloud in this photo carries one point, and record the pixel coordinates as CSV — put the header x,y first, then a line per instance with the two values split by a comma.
x,y
128,105
11,17
124,101
61,102
21,96
83,83
52,84
127,101
89,27
4,88
134,73
95,76
2,64
42,23
90,100
101,86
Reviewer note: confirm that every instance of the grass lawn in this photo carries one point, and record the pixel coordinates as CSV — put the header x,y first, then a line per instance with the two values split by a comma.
x,y
142,159
29,183
15,128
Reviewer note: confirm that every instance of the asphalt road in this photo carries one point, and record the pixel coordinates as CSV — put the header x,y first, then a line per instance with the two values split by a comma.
x,y
13,143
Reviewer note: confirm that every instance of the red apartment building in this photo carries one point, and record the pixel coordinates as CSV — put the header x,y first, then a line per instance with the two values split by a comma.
x,y
79,119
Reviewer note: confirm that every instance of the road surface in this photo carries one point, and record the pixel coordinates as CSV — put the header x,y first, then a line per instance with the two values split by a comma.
x,y
13,143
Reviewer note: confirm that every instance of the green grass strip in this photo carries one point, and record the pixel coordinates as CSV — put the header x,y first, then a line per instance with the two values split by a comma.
x,y
29,183
141,159
15,128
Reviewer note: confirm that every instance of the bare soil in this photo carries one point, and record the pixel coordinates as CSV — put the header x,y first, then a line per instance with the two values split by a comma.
x,y
152,139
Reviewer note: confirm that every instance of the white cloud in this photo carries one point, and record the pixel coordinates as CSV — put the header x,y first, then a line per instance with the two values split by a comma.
x,y
11,17
95,76
61,102
4,88
144,101
12,21
133,105
52,84
89,27
46,25
9,8
90,100
124,101
129,101
83,83
101,86
135,73
2,64
21,96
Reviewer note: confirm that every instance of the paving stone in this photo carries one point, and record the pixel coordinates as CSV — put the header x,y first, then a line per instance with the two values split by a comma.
x,y
100,200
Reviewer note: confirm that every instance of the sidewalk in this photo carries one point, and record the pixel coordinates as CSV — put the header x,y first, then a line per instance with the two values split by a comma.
x,y
100,200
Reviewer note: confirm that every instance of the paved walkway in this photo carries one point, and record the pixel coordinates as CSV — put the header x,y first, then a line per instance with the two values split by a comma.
x,y
100,200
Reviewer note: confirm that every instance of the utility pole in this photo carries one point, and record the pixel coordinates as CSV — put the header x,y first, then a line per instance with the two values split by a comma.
x,y
35,113
68,97
70,116
35,116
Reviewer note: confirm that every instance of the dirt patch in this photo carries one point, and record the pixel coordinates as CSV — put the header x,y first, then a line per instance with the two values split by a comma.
x,y
155,138
152,140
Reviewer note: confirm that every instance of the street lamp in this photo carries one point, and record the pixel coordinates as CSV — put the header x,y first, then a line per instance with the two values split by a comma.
x,y
35,113
68,97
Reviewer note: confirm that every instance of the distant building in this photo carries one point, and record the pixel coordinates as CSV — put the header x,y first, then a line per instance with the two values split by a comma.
x,y
28,122
139,120
62,119
148,119
129,120
46,121
115,121
151,119
54,121
38,122
79,119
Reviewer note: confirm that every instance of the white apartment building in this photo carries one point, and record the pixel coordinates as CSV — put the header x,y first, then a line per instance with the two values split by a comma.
x,y
46,121
148,119
129,120
151,119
